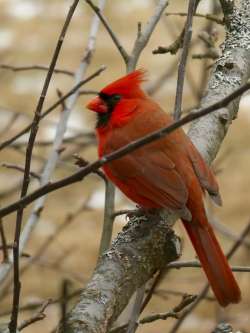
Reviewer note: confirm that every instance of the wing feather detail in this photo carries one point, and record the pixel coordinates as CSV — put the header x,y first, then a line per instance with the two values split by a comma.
x,y
152,176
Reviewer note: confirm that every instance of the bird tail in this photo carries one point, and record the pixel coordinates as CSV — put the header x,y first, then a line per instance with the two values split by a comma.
x,y
213,261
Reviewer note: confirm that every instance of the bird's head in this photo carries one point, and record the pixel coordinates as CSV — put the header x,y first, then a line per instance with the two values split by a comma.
x,y
119,92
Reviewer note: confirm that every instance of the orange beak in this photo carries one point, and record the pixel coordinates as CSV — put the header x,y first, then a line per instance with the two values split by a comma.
x,y
97,105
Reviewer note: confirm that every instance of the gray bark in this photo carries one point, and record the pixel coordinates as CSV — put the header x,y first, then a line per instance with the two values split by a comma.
x,y
147,244
144,246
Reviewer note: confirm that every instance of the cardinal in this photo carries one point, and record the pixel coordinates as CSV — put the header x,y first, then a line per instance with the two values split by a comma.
x,y
167,173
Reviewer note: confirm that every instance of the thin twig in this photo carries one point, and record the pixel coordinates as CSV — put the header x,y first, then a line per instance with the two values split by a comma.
x,y
136,310
53,106
172,48
19,168
125,212
209,17
60,95
225,231
35,67
182,66
38,304
196,264
83,172
209,55
145,34
11,122
152,88
68,139
81,162
45,245
186,301
174,313
110,30
4,246
40,315
64,303
158,278
108,217
163,293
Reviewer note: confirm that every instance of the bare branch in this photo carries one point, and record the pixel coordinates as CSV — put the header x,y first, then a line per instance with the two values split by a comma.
x,y
225,231
136,310
19,168
172,48
183,61
35,67
53,106
125,212
4,245
40,315
11,122
64,303
45,245
196,264
174,313
156,281
145,34
108,217
187,300
153,87
209,17
110,31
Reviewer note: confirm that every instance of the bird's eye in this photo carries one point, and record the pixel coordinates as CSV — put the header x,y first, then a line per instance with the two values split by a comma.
x,y
116,98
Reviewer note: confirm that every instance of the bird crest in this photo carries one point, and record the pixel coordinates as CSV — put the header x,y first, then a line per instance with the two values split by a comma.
x,y
127,86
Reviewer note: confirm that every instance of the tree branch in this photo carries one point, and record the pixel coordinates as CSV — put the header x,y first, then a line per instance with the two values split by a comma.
x,y
109,29
209,17
35,67
62,99
144,35
131,260
183,61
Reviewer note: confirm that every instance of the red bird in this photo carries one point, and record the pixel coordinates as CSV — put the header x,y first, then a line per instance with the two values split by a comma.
x,y
168,173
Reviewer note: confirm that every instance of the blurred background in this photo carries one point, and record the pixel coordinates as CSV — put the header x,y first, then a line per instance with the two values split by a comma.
x,y
63,248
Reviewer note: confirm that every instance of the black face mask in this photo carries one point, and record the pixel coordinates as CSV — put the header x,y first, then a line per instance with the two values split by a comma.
x,y
110,101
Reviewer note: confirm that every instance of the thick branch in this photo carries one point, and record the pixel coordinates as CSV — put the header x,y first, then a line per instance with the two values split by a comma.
x,y
230,71
133,258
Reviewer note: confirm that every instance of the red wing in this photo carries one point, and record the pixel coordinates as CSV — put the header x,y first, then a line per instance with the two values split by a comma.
x,y
152,175
203,173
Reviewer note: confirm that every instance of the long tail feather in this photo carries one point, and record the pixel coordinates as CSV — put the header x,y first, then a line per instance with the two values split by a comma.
x,y
214,262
